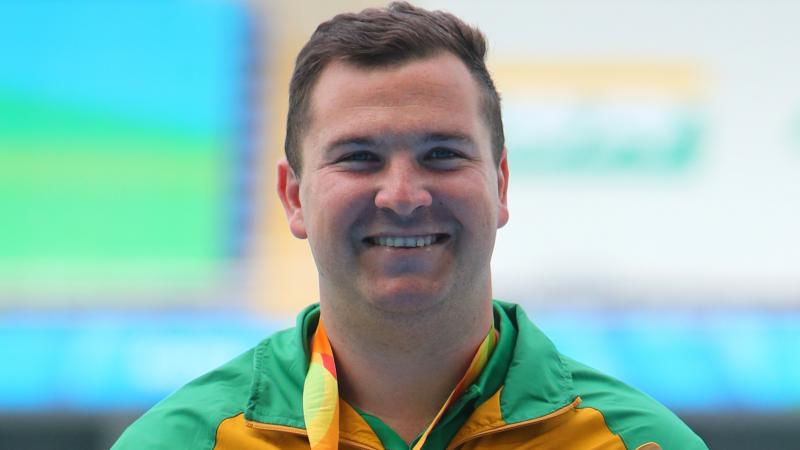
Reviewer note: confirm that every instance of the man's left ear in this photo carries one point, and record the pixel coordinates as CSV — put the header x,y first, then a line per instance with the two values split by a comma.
x,y
502,189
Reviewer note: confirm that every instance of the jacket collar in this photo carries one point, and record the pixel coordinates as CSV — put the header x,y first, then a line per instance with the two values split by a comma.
x,y
280,365
525,363
538,381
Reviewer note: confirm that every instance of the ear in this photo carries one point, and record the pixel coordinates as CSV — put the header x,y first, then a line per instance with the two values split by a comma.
x,y
289,193
502,189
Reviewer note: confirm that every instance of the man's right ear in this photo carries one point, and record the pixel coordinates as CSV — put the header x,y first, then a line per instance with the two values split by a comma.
x,y
289,193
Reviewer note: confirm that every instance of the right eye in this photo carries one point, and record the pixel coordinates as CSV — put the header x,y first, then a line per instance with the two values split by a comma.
x,y
361,156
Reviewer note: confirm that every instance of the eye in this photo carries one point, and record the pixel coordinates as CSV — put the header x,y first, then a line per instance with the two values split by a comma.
x,y
441,153
360,156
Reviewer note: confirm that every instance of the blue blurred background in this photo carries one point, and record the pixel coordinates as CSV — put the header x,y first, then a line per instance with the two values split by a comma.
x,y
655,178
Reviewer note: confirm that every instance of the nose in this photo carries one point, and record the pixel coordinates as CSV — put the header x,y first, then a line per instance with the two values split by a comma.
x,y
402,188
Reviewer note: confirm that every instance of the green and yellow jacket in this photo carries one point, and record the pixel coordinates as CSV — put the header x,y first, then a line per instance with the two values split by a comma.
x,y
528,396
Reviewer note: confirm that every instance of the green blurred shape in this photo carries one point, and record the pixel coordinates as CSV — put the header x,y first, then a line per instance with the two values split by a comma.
x,y
89,187
590,150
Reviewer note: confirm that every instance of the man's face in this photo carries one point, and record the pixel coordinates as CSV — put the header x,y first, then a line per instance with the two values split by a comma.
x,y
400,197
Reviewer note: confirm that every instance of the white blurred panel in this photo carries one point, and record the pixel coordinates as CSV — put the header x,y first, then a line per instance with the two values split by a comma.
x,y
715,221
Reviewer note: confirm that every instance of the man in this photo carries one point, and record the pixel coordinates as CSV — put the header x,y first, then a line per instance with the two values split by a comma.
x,y
396,173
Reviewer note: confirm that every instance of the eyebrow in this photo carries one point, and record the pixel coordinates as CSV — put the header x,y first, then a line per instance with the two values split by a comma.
x,y
352,142
426,138
434,138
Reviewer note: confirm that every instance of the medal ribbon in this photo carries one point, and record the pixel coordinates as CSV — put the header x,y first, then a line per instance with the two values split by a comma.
x,y
321,391
321,395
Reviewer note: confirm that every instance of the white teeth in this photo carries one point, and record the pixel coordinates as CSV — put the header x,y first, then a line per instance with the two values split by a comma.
x,y
405,242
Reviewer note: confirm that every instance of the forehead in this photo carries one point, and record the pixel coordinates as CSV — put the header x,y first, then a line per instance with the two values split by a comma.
x,y
433,95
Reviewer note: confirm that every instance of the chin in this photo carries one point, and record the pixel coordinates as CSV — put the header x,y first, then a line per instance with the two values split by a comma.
x,y
407,300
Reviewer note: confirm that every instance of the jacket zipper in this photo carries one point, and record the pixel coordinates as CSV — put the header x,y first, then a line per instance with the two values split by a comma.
x,y
512,426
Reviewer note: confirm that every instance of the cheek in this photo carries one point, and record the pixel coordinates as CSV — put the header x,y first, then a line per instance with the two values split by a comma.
x,y
331,203
474,199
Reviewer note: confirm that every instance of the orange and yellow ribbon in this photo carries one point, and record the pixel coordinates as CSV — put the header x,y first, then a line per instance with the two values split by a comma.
x,y
321,395
321,391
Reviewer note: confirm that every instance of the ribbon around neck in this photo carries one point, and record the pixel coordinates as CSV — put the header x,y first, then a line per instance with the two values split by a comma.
x,y
321,390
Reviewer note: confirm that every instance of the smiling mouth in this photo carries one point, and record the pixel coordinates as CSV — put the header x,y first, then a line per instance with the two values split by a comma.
x,y
425,240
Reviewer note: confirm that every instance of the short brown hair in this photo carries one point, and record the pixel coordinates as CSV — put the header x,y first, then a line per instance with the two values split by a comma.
x,y
384,37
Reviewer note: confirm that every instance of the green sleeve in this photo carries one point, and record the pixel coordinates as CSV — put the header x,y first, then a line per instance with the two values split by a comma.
x,y
188,419
636,417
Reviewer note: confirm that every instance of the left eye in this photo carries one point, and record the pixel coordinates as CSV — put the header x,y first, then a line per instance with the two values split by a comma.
x,y
441,153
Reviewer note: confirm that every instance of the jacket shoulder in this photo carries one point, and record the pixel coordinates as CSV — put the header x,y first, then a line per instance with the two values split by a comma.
x,y
636,417
190,416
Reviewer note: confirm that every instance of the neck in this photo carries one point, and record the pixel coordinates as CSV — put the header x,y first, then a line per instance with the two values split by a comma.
x,y
402,368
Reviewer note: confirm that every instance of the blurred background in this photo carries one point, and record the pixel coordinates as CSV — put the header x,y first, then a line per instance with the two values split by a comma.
x,y
655,200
